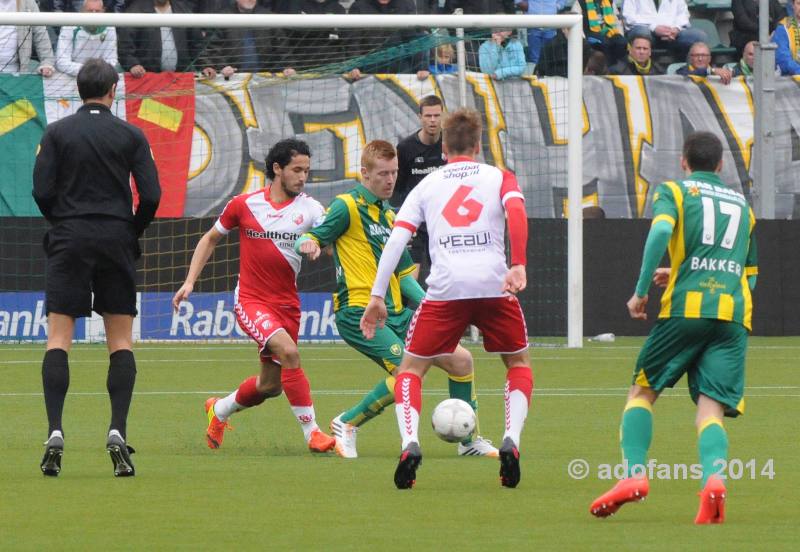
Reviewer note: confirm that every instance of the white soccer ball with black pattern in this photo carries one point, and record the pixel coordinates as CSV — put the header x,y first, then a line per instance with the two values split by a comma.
x,y
453,420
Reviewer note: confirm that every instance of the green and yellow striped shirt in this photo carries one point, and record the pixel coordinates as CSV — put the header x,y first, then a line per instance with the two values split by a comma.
x,y
712,250
358,224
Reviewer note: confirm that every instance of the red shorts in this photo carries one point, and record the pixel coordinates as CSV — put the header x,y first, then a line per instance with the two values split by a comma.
x,y
437,326
261,322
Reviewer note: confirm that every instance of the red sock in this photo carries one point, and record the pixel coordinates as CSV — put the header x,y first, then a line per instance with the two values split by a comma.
x,y
298,392
520,378
248,394
296,387
408,404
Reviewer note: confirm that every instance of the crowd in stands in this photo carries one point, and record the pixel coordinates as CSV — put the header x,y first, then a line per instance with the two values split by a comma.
x,y
620,37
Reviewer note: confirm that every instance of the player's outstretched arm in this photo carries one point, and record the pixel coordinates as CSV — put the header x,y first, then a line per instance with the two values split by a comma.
x,y
325,231
200,257
308,246
392,251
374,316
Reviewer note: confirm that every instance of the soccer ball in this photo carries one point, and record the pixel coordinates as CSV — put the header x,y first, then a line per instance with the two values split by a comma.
x,y
453,420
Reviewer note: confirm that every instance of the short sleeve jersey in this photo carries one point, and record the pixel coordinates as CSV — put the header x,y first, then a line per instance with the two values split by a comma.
x,y
463,205
268,263
415,161
712,249
358,224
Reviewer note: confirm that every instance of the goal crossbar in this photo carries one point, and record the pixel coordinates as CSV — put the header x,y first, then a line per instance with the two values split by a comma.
x,y
572,22
349,21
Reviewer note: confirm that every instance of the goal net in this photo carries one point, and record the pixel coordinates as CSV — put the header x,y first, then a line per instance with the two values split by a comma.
x,y
231,86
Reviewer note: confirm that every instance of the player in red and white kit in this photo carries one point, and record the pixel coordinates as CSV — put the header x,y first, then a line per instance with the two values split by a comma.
x,y
465,205
267,305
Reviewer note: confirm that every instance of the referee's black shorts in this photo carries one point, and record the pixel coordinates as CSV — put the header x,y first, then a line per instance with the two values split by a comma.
x,y
91,255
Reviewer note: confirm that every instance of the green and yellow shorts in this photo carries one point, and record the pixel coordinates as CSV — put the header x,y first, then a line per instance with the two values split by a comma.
x,y
711,352
386,348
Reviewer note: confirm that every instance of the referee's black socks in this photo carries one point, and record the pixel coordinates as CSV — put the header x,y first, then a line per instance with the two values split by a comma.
x,y
55,381
121,378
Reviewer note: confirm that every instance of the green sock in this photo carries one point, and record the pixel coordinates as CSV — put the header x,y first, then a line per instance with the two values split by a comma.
x,y
636,432
463,387
712,444
373,403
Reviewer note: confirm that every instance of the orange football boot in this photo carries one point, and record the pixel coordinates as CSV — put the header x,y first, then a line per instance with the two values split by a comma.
x,y
712,502
320,442
216,428
631,489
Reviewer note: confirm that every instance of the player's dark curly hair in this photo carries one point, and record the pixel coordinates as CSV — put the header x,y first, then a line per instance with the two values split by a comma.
x,y
702,151
282,153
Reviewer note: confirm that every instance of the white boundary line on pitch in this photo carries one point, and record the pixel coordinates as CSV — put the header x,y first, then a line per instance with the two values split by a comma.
x,y
308,358
548,392
315,346
140,360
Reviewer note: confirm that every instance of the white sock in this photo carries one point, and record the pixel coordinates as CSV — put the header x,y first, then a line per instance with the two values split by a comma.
x,y
223,408
115,432
408,422
306,418
516,411
56,433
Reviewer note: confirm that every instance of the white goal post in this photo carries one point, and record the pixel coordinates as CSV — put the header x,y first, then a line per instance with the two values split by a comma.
x,y
573,22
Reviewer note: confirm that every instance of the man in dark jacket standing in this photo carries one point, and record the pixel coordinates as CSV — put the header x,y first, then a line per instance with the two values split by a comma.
x,y
156,49
316,47
402,55
81,183
745,21
247,50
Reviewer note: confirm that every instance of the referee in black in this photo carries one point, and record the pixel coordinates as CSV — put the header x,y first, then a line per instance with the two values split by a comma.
x,y
418,155
81,183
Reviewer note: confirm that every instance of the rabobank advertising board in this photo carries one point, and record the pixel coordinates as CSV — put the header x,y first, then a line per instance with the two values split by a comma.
x,y
204,316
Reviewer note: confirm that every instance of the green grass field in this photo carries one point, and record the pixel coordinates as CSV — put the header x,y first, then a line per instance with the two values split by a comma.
x,y
264,490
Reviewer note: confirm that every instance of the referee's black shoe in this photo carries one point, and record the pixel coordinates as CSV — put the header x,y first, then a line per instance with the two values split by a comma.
x,y
53,451
120,454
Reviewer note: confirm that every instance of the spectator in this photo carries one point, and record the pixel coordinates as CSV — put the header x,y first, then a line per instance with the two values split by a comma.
x,y
667,25
699,64
476,6
502,56
78,44
365,42
745,21
475,36
597,64
602,29
443,60
246,50
17,42
745,66
639,61
211,6
315,47
155,49
111,6
537,38
553,60
787,37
